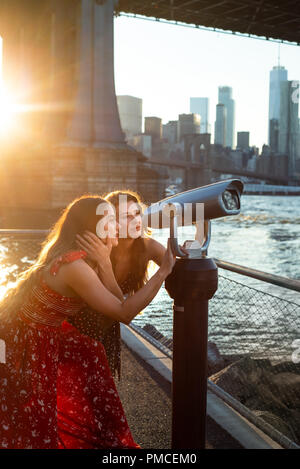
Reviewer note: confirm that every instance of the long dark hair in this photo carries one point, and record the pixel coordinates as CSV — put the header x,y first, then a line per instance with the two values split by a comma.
x,y
78,216
138,263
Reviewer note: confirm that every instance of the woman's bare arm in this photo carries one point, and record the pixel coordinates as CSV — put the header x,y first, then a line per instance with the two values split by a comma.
x,y
85,282
155,250
99,251
107,277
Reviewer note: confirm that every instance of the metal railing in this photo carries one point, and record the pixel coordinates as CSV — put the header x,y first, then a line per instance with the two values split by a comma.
x,y
258,275
251,336
250,364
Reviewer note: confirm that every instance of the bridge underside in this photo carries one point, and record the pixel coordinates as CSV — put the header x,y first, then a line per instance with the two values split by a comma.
x,y
274,19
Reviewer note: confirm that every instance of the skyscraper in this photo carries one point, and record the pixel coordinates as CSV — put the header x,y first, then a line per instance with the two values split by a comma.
x,y
225,97
170,131
277,75
274,134
243,140
288,137
220,125
130,111
188,124
153,127
201,106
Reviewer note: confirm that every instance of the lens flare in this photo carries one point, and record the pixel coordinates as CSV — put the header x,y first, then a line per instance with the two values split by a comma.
x,y
8,111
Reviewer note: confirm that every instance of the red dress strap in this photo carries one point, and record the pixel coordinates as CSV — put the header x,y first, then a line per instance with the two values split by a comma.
x,y
66,258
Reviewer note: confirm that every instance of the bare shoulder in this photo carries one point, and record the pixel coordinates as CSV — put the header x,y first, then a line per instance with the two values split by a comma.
x,y
72,273
150,244
155,250
78,268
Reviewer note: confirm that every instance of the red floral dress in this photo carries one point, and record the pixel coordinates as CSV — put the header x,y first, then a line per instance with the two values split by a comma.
x,y
56,388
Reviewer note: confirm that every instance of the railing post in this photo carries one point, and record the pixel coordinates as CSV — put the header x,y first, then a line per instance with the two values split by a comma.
x,y
191,284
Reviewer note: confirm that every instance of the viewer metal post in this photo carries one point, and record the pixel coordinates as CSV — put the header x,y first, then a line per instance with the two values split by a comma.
x,y
191,284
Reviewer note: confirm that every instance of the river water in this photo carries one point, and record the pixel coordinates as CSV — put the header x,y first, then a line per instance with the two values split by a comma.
x,y
264,236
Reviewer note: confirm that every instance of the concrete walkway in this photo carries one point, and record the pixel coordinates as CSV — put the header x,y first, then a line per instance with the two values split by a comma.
x,y
146,399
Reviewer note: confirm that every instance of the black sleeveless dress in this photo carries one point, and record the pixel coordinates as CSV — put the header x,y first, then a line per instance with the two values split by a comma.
x,y
91,323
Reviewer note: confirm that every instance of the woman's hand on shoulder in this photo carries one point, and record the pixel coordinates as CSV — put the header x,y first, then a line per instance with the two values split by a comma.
x,y
95,248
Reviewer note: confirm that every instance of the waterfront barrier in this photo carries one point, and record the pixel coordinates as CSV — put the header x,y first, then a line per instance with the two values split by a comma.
x,y
269,189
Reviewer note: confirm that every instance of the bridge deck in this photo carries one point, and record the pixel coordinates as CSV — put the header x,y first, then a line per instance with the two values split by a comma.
x,y
275,19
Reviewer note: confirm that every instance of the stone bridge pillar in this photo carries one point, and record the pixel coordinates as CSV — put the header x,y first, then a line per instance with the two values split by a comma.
x,y
95,118
74,143
94,156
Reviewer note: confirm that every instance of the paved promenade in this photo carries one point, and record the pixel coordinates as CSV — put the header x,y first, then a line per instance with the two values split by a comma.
x,y
146,399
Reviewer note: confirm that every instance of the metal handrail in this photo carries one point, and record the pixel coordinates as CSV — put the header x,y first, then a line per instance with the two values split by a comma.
x,y
291,284
21,233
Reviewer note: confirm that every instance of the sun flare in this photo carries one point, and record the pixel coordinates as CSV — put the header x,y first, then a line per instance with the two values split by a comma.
x,y
8,110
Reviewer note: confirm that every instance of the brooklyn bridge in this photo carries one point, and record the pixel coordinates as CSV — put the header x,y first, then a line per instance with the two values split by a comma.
x,y
58,55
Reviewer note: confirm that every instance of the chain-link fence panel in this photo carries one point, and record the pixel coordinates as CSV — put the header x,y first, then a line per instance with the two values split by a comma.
x,y
253,349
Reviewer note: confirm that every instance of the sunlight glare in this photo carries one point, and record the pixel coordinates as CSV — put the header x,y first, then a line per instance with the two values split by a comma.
x,y
8,110
4,284
8,106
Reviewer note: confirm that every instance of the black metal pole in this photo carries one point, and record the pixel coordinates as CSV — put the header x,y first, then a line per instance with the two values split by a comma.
x,y
191,284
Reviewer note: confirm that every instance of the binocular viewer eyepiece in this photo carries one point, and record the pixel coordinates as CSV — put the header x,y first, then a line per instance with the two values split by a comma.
x,y
195,207
215,200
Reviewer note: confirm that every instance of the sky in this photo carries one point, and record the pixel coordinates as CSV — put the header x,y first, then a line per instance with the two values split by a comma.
x,y
166,64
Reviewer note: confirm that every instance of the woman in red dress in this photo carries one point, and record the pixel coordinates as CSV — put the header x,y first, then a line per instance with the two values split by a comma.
x,y
130,259
46,368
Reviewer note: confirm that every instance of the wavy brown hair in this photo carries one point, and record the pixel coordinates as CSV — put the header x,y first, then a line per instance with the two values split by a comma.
x,y
78,216
138,258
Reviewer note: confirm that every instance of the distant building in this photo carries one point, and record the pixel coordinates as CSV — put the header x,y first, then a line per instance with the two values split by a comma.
x,y
274,134
269,163
220,125
188,124
298,145
277,75
225,97
153,127
201,106
142,143
130,111
243,140
170,132
252,162
288,138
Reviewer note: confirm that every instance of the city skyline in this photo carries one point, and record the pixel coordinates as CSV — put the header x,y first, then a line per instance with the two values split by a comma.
x,y
151,69
203,102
